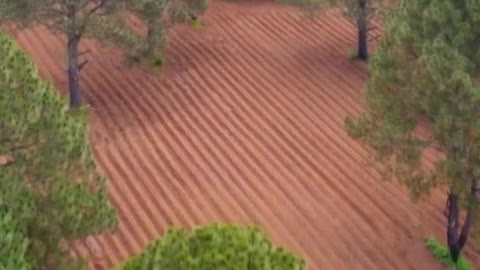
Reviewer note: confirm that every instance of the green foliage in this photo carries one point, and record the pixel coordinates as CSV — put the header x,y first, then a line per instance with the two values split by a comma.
x,y
441,253
424,75
214,247
47,173
425,71
74,19
13,244
158,16
113,31
63,16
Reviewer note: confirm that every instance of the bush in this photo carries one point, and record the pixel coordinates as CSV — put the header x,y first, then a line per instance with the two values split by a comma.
x,y
214,247
441,253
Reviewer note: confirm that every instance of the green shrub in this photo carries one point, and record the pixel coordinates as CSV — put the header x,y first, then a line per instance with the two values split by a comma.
x,y
441,253
225,247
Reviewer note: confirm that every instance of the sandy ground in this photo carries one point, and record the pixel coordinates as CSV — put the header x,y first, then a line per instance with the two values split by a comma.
x,y
245,125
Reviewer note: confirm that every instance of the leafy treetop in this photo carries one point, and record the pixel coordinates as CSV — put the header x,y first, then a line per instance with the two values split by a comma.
x,y
214,247
75,19
159,16
47,173
425,73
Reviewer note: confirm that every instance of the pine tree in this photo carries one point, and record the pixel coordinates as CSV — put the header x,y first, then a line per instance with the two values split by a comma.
x,y
48,179
75,19
215,246
359,11
426,73
158,16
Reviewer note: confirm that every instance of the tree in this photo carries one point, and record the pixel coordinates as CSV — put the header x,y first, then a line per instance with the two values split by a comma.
x,y
425,73
359,11
75,19
158,16
48,179
214,247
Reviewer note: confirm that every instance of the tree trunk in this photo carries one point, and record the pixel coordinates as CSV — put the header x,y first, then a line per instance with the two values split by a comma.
x,y
73,72
151,44
154,31
73,40
456,243
362,27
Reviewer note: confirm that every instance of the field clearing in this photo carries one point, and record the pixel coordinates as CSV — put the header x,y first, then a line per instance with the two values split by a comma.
x,y
246,125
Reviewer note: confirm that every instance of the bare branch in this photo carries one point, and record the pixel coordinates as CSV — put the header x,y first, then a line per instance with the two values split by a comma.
x,y
84,24
94,9
81,65
377,36
84,52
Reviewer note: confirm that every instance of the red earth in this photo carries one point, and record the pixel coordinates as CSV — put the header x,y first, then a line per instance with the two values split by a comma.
x,y
245,125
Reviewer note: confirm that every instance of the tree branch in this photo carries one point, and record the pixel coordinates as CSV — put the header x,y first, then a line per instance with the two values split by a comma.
x,y
374,37
87,16
84,52
81,65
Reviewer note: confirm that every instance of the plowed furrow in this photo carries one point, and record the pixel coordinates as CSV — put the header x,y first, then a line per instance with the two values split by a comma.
x,y
128,220
243,178
357,98
133,107
323,107
202,160
334,23
118,242
215,133
215,88
230,132
318,61
276,176
141,123
189,192
247,76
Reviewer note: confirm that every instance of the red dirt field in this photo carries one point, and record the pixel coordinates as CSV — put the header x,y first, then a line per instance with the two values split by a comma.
x,y
246,125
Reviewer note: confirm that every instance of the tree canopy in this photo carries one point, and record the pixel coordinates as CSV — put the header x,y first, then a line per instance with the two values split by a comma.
x,y
75,19
225,247
158,16
48,180
425,73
